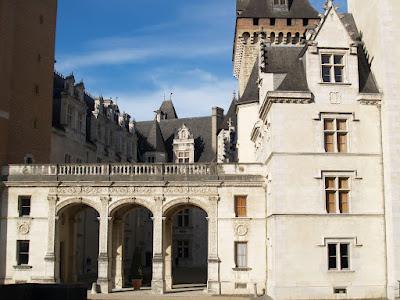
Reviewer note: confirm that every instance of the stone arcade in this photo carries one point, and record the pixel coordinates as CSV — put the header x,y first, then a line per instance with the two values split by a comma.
x,y
162,189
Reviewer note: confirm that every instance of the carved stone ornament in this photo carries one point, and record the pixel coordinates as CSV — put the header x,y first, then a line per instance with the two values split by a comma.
x,y
241,230
23,227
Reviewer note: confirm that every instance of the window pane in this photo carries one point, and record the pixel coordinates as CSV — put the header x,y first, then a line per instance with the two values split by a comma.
x,y
338,74
330,202
344,202
343,183
330,183
326,58
332,257
241,255
329,145
326,74
344,256
240,206
338,59
342,125
329,124
342,143
23,252
24,206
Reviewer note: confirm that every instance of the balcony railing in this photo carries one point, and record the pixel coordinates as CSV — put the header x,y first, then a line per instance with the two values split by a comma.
x,y
114,171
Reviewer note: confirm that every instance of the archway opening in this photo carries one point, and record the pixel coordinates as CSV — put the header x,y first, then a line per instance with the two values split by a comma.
x,y
78,244
186,247
132,246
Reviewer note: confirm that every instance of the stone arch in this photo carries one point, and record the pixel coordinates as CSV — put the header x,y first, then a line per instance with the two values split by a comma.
x,y
181,201
78,200
117,204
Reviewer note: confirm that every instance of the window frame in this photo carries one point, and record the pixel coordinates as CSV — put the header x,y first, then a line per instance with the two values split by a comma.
x,y
246,255
184,158
336,132
25,253
21,206
337,191
237,207
339,256
332,67
183,249
183,219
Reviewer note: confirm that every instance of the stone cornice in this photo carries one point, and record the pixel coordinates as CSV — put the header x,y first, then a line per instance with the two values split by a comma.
x,y
370,99
286,97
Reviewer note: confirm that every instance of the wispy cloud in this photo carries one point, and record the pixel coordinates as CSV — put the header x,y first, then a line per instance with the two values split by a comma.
x,y
117,56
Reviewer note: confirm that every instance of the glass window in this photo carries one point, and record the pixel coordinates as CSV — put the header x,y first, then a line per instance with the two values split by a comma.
x,y
183,249
22,252
24,206
183,218
338,256
337,190
240,206
336,135
241,254
332,68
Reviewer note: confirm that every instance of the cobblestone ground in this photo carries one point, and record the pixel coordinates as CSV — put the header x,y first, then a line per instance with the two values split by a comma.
x,y
146,295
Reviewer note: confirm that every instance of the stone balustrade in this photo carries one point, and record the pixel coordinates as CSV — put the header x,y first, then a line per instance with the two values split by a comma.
x,y
135,170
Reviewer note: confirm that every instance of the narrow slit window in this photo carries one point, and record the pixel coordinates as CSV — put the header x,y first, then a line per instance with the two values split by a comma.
x,y
241,254
24,206
22,253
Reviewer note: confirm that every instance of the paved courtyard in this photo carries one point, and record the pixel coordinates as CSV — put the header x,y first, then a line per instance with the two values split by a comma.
x,y
147,295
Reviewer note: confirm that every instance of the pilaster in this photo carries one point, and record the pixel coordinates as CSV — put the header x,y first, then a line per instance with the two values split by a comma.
x,y
50,257
158,282
103,263
213,283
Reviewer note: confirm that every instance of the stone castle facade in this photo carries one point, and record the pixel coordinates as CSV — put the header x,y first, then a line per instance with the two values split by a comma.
x,y
290,194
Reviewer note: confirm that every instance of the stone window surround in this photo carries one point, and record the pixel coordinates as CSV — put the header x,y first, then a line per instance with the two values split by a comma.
x,y
352,175
349,116
329,51
353,244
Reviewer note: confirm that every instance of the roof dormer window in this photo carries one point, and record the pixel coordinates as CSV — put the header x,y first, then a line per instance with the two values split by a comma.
x,y
280,2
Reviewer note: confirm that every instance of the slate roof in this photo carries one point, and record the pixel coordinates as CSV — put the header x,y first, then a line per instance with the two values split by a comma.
x,y
168,110
368,83
251,92
296,79
200,128
155,139
350,24
265,9
280,59
231,114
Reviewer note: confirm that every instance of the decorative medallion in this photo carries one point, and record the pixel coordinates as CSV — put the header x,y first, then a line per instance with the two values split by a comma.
x,y
23,227
241,230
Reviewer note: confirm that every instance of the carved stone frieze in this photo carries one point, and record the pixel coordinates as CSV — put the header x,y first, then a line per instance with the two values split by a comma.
x,y
195,190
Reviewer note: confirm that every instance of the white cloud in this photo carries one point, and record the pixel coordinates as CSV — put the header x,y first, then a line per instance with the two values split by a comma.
x,y
125,55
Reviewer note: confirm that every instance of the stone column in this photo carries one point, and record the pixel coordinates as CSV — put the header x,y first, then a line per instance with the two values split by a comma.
x,y
158,282
50,257
213,282
118,252
103,278
167,240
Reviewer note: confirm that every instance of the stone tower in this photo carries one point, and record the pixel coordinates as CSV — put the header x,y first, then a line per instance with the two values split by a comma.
x,y
282,22
27,32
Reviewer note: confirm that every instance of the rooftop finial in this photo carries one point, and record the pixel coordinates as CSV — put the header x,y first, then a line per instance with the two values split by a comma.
x,y
328,4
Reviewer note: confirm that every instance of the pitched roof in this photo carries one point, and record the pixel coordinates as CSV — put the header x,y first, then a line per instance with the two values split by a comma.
x,y
280,59
265,9
168,110
296,79
200,127
367,80
251,92
230,115
155,139
350,25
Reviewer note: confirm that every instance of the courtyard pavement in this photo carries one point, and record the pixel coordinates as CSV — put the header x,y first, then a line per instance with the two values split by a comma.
x,y
147,295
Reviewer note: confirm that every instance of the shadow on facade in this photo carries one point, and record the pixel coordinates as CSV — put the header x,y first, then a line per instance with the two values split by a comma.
x,y
78,245
132,246
3,233
186,246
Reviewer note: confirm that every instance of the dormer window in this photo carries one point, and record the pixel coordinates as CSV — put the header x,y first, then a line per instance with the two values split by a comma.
x,y
184,146
280,2
332,68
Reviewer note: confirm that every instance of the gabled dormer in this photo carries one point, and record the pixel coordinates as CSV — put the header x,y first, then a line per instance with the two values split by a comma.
x,y
183,145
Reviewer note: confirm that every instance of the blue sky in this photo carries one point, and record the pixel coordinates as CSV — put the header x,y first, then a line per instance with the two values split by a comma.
x,y
136,51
